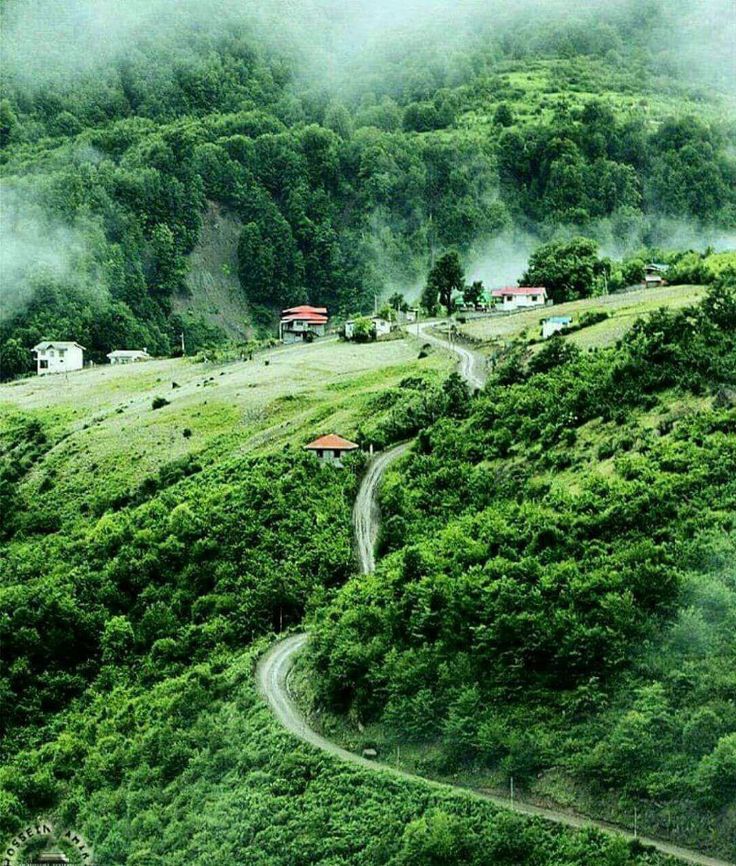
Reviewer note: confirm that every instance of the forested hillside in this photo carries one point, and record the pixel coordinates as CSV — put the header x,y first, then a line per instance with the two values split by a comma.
x,y
133,612
555,596
341,185
557,601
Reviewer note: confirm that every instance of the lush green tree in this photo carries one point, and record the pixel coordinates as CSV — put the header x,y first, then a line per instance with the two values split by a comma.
x,y
503,116
567,269
473,294
445,277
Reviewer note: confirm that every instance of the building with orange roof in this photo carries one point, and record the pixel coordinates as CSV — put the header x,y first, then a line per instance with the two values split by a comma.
x,y
331,448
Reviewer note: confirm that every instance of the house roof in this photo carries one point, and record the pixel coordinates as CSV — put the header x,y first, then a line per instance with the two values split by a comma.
x,y
519,290
331,441
55,344
559,320
127,353
305,308
311,318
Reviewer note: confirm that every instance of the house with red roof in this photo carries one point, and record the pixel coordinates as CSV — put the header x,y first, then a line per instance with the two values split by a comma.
x,y
518,297
303,323
331,448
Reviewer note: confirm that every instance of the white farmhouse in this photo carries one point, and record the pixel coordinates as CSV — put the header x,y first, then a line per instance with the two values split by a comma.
x,y
58,357
518,297
128,356
381,327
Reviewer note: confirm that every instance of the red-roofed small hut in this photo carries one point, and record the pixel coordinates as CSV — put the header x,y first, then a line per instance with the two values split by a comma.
x,y
331,448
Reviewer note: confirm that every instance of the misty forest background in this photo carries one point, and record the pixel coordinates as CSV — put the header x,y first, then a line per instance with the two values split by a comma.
x,y
555,599
163,173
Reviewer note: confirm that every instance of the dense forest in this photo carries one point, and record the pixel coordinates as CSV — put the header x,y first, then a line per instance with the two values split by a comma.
x,y
555,598
557,595
339,191
131,625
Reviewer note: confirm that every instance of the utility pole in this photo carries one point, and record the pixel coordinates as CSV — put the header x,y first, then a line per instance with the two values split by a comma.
x,y
512,792
636,816
183,347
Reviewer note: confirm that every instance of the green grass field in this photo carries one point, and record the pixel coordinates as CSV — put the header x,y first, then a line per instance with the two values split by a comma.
x,y
104,426
622,309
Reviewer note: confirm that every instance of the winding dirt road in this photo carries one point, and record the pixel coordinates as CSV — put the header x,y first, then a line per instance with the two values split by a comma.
x,y
365,510
272,672
471,366
272,677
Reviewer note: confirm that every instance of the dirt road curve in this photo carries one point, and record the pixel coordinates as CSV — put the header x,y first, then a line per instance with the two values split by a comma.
x,y
365,509
471,364
272,673
272,676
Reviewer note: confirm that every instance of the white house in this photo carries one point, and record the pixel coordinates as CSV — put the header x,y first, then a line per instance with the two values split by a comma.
x,y
331,448
128,356
554,324
58,357
298,323
518,297
381,327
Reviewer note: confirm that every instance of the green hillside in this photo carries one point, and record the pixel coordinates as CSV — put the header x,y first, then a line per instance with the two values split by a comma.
x,y
556,603
554,600
616,315
140,564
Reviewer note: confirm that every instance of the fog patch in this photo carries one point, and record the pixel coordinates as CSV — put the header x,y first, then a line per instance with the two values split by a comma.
x,y
37,249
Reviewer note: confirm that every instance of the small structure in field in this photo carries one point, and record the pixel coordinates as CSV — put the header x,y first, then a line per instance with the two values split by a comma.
x,y
58,357
518,297
654,275
303,323
379,327
554,324
412,314
128,356
331,448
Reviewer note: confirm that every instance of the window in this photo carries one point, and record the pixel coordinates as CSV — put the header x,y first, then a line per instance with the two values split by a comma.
x,y
43,365
62,352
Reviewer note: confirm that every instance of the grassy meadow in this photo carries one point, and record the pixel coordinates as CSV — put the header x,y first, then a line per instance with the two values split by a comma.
x,y
623,309
101,423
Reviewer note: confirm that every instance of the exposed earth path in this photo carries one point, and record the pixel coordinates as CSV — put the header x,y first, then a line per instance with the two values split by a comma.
x,y
472,365
272,673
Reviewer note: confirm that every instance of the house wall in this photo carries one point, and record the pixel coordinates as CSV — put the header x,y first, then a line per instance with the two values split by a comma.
x,y
517,302
59,360
549,328
293,332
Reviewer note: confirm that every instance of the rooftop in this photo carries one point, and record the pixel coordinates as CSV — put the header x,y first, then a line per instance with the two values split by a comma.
x,y
305,308
55,344
312,318
331,441
519,290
